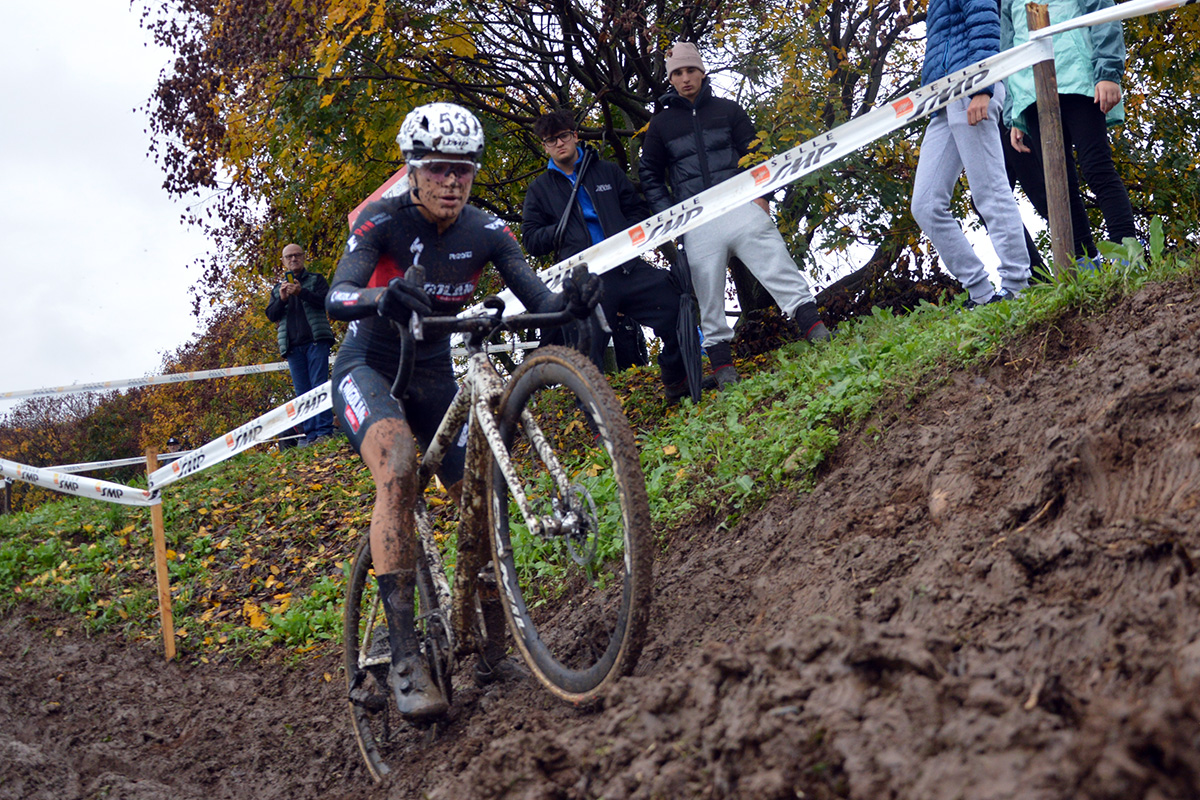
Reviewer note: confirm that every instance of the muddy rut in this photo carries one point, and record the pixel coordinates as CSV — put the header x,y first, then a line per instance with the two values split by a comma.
x,y
990,594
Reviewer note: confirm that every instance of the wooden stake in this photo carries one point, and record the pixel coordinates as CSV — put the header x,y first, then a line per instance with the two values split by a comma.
x,y
1054,165
160,565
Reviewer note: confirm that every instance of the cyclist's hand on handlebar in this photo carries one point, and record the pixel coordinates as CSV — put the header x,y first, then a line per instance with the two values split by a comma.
x,y
401,299
581,290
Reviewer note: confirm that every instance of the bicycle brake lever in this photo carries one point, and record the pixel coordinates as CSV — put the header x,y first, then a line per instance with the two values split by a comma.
x,y
495,303
415,276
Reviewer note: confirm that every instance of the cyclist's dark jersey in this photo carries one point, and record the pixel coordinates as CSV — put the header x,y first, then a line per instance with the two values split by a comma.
x,y
391,234
387,234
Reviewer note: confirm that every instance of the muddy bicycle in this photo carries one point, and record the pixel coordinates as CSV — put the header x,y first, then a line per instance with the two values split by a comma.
x,y
552,481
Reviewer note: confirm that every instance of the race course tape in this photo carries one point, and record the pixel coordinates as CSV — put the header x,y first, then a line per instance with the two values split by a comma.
x,y
78,485
267,426
92,466
790,166
1137,8
202,375
152,380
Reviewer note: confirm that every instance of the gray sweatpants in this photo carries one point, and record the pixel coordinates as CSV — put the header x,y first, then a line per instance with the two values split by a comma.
x,y
749,233
951,143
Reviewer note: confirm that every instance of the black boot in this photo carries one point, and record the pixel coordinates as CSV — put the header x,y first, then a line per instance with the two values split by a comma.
x,y
809,325
417,696
720,360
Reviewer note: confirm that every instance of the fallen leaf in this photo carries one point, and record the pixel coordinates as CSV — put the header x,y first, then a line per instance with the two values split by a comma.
x,y
254,616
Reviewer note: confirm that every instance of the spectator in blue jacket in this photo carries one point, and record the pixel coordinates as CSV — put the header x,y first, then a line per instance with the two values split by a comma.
x,y
967,134
581,200
1089,64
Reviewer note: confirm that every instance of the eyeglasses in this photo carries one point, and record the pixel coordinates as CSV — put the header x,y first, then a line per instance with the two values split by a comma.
x,y
439,169
558,137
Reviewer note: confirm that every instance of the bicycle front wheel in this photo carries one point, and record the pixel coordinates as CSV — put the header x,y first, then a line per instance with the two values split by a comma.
x,y
570,526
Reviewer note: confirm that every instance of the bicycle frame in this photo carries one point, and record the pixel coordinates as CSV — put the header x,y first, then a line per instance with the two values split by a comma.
x,y
475,407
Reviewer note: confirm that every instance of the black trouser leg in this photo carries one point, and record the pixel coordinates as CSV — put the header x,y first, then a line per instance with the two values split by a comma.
x,y
1084,126
649,297
1024,169
1081,226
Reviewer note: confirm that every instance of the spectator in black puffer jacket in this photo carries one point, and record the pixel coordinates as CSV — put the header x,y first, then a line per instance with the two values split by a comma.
x,y
693,143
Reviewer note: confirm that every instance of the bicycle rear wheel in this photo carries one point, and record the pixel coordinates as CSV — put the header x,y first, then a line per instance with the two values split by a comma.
x,y
373,713
575,571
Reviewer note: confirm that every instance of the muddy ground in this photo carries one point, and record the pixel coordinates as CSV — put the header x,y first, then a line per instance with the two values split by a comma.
x,y
990,594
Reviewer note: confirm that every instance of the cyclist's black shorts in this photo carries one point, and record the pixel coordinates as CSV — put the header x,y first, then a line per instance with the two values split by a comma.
x,y
362,396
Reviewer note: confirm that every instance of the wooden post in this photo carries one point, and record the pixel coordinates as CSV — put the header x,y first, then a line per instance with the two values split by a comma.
x,y
1054,165
4,509
160,564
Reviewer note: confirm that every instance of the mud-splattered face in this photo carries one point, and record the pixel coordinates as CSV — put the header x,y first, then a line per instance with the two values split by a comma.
x,y
442,186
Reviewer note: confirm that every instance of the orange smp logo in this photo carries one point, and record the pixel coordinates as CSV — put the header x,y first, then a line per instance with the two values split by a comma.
x,y
638,235
903,106
291,410
761,174
229,440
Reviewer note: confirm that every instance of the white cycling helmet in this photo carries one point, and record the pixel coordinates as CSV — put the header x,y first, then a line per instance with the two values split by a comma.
x,y
440,128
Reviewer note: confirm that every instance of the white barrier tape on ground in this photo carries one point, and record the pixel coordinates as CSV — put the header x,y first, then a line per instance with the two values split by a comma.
x,y
255,431
88,466
790,166
1136,8
77,485
152,380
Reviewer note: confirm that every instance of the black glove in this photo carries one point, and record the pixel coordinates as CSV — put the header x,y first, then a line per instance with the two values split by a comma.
x,y
403,298
581,290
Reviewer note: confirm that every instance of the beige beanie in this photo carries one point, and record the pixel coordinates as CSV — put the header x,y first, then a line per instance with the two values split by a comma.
x,y
683,54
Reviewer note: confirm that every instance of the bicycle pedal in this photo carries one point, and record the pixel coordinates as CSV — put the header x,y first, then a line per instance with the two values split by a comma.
x,y
371,701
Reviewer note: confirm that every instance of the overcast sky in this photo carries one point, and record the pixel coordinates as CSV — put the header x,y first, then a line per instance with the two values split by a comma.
x,y
93,258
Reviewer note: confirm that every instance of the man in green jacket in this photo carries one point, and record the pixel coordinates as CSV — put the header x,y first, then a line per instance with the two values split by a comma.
x,y
297,307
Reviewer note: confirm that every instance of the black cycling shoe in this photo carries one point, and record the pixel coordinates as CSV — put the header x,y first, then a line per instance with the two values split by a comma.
x,y
506,669
417,696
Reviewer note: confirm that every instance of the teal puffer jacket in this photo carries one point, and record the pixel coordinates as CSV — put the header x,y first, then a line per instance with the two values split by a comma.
x,y
1082,57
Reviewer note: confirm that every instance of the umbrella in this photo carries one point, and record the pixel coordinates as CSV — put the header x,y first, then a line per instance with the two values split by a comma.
x,y
689,320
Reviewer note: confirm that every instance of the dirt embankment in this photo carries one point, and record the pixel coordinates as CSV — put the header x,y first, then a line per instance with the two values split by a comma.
x,y
991,594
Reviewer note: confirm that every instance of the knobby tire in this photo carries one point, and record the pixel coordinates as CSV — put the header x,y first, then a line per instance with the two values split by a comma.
x,y
584,626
